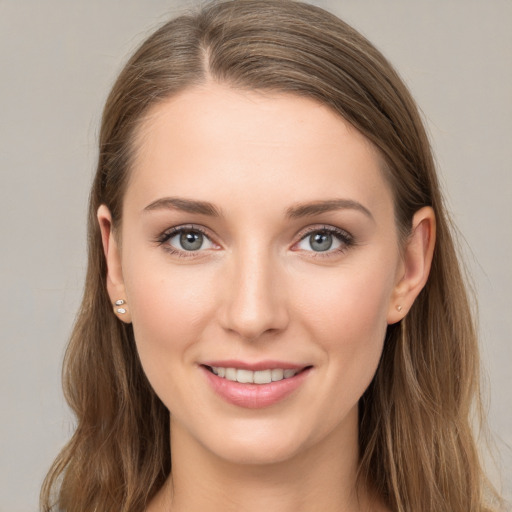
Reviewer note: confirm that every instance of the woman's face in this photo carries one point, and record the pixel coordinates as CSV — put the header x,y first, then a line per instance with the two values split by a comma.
x,y
258,243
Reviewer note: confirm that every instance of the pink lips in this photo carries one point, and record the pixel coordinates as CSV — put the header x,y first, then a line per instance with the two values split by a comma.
x,y
254,396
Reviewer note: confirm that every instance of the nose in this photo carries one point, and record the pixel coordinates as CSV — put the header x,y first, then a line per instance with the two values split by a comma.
x,y
254,298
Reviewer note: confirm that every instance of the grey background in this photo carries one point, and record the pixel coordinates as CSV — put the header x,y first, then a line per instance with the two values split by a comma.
x,y
58,59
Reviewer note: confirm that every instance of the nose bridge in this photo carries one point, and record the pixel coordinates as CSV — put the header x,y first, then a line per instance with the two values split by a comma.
x,y
255,300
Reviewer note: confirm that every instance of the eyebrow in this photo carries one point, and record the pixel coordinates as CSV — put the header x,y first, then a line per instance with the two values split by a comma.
x,y
294,212
185,205
317,207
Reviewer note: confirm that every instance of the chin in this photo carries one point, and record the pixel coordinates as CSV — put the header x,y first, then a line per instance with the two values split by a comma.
x,y
261,444
258,453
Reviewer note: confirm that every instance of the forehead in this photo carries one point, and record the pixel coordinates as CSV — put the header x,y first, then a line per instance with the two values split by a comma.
x,y
213,140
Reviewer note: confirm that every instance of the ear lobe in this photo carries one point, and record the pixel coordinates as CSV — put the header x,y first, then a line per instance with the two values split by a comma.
x,y
417,260
115,281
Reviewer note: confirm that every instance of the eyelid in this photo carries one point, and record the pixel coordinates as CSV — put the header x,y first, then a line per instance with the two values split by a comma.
x,y
346,239
169,233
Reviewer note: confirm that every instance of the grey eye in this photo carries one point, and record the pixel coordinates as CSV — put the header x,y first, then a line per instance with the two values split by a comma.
x,y
320,241
190,240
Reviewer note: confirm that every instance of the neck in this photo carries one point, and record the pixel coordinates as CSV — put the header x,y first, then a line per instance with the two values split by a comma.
x,y
321,477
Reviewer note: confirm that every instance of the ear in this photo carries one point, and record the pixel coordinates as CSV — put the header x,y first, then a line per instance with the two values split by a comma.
x,y
416,263
115,281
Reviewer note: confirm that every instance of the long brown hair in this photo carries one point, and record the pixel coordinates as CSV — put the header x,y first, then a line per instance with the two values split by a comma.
x,y
416,443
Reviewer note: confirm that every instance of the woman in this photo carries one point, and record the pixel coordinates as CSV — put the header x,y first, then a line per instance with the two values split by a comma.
x,y
272,280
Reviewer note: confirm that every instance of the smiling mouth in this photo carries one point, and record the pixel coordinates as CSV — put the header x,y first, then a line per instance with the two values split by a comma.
x,y
244,376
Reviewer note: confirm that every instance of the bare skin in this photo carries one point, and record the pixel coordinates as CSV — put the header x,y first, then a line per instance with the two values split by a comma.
x,y
259,229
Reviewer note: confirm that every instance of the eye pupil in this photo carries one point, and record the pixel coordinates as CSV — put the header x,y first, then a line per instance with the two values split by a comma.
x,y
191,240
321,241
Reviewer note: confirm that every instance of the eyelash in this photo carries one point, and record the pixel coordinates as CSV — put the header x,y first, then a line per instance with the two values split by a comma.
x,y
344,237
172,232
346,240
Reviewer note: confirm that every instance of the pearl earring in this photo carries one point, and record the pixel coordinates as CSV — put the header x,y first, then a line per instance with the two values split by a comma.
x,y
399,307
118,306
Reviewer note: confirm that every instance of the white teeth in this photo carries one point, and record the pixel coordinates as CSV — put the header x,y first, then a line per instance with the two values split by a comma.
x,y
262,377
245,376
230,374
277,374
253,377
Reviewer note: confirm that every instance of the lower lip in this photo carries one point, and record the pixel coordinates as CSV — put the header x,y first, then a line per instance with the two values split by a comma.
x,y
254,396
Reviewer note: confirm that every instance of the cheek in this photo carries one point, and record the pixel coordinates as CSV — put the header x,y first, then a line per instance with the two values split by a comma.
x,y
169,311
168,298
348,319
347,305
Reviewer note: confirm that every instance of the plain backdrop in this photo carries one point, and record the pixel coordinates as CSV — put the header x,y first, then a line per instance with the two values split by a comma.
x,y
58,60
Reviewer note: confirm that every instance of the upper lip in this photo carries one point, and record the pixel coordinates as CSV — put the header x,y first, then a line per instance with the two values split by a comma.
x,y
255,366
